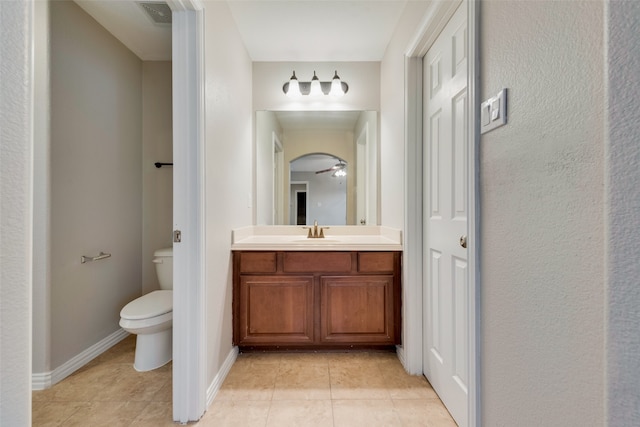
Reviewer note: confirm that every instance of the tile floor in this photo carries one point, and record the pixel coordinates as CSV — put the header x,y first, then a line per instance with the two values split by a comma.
x,y
262,389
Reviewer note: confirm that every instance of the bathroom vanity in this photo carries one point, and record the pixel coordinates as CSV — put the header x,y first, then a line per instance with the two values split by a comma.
x,y
294,292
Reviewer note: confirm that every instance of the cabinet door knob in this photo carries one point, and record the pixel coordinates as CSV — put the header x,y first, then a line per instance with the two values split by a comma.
x,y
463,241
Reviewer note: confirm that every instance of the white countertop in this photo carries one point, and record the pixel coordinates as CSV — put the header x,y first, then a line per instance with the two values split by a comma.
x,y
337,238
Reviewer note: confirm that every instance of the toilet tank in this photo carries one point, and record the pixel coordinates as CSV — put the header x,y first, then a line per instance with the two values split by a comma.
x,y
163,259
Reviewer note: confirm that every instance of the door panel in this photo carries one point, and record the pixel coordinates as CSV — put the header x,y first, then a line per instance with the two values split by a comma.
x,y
446,304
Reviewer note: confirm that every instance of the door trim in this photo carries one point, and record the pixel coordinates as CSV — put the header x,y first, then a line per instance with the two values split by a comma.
x,y
189,311
435,20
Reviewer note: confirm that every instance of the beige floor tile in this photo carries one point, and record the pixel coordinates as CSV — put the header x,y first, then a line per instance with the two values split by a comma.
x,y
423,412
365,413
357,359
107,414
283,389
251,385
304,358
42,395
52,414
155,414
357,382
252,361
236,414
406,386
130,385
165,394
300,413
300,381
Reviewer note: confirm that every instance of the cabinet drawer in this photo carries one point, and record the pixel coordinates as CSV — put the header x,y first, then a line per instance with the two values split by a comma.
x,y
257,262
376,262
317,262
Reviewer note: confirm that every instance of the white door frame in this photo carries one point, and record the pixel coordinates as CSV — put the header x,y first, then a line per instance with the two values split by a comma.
x,y
435,20
189,296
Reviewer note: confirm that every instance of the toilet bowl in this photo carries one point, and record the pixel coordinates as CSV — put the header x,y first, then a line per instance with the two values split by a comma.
x,y
150,317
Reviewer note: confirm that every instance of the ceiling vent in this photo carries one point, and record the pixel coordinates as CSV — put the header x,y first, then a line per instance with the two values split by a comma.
x,y
159,12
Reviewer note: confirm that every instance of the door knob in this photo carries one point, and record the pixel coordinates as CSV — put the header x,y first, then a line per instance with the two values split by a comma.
x,y
463,241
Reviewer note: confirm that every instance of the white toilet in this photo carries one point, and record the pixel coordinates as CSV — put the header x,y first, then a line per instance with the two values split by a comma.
x,y
150,317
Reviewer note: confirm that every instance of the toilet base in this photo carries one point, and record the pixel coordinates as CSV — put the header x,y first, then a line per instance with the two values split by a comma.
x,y
153,350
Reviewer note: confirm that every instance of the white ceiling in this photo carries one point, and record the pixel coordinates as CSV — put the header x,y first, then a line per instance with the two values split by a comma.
x,y
126,20
318,30
272,30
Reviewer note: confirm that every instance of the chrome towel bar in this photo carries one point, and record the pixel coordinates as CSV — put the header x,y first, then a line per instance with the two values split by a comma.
x,y
98,257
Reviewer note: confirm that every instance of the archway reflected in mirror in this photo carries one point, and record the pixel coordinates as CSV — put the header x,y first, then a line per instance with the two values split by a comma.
x,y
283,136
320,180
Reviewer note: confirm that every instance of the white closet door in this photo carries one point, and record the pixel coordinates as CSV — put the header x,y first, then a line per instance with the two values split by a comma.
x,y
445,282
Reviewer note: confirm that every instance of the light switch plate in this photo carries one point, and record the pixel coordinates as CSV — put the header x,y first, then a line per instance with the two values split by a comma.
x,y
493,112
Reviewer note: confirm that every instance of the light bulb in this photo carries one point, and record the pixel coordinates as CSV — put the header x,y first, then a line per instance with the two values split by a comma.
x,y
336,86
316,89
293,90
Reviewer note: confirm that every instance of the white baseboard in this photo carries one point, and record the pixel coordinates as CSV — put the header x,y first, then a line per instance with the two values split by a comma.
x,y
213,389
41,381
401,356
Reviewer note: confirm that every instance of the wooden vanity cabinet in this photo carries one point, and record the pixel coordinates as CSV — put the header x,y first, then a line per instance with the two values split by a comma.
x,y
291,299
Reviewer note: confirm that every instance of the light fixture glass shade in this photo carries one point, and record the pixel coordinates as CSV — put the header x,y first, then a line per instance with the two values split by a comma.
x,y
336,86
293,90
316,88
340,173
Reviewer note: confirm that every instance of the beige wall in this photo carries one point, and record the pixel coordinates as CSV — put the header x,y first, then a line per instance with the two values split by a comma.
x,y
157,184
96,181
542,248
228,169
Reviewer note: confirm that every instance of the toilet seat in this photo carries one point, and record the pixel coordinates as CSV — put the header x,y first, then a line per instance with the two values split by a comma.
x,y
153,304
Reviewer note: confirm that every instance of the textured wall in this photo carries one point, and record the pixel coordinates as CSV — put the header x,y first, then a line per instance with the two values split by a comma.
x,y
96,180
157,184
16,154
623,179
41,293
542,225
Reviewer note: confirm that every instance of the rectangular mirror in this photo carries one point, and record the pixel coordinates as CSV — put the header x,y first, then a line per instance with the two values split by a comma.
x,y
317,166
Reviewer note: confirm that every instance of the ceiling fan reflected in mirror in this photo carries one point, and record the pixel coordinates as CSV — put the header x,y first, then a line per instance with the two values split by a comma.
x,y
339,169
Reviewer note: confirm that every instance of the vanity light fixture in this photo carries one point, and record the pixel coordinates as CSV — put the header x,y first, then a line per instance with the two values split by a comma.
x,y
294,88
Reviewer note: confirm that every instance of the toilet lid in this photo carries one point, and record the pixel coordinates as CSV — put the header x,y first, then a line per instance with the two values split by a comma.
x,y
150,305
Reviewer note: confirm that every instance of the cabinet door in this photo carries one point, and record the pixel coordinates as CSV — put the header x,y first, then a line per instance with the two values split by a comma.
x,y
357,309
275,310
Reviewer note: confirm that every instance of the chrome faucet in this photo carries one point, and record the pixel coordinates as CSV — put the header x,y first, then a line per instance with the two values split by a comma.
x,y
315,232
